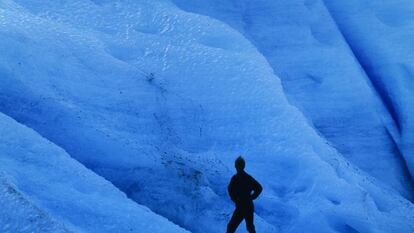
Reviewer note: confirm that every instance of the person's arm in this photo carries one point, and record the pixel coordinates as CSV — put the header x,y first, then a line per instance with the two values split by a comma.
x,y
257,188
232,192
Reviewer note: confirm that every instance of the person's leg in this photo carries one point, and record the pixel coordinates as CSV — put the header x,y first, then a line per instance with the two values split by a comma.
x,y
235,221
249,218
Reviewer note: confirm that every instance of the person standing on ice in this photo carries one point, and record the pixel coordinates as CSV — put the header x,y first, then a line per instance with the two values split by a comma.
x,y
243,189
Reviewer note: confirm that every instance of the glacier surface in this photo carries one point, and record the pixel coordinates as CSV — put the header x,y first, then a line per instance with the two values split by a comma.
x,y
323,77
159,101
44,190
387,55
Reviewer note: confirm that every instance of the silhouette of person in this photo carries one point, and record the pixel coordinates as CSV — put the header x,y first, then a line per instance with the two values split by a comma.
x,y
243,189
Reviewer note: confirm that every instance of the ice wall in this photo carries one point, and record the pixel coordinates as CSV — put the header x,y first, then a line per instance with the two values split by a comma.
x,y
44,190
321,76
381,36
160,102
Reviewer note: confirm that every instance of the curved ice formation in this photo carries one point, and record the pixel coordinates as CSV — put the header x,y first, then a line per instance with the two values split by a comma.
x,y
159,102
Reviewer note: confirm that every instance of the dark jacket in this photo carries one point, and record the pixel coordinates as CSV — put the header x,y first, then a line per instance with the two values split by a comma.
x,y
241,187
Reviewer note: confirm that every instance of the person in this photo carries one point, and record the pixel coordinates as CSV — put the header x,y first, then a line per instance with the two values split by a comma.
x,y
243,189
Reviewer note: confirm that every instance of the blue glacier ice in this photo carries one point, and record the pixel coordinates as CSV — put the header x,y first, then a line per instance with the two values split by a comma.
x,y
387,55
138,109
308,49
44,190
54,193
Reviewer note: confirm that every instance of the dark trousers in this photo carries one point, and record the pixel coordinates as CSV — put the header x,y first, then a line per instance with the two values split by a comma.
x,y
242,211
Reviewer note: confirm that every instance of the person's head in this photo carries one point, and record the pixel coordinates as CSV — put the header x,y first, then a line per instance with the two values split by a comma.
x,y
239,164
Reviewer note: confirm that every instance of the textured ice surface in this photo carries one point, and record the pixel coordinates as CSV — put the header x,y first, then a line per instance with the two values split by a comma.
x,y
321,76
18,214
159,102
381,35
43,190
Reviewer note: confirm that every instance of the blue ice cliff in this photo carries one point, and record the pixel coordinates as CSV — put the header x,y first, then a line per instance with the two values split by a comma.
x,y
126,116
